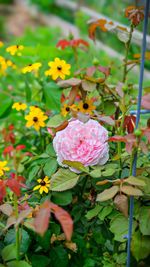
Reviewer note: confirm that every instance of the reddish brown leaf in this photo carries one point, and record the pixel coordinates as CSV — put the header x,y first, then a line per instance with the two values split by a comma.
x,y
6,209
14,185
62,126
2,190
121,203
8,150
11,221
119,89
117,138
146,101
129,123
64,218
20,147
22,215
99,23
104,70
63,44
41,220
72,95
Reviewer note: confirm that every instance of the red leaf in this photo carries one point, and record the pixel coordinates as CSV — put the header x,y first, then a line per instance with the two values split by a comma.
x,y
104,70
63,44
146,101
2,190
64,218
8,150
78,42
14,185
117,138
41,220
129,123
20,147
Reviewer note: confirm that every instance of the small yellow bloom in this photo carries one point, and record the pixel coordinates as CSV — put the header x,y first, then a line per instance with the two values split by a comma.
x,y
15,50
44,185
58,68
36,118
3,167
86,106
1,44
4,64
65,110
32,68
19,106
10,64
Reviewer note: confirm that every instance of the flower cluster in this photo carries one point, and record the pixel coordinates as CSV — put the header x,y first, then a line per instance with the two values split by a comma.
x,y
15,50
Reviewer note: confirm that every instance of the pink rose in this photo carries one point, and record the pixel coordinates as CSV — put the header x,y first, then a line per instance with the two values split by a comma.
x,y
83,142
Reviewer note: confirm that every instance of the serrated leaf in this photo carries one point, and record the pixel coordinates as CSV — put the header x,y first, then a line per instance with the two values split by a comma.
x,y
76,165
135,181
63,180
131,191
93,213
140,246
108,193
144,219
105,212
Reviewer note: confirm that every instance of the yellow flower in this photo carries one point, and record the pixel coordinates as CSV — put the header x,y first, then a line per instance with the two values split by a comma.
x,y
10,64
65,110
3,65
86,106
15,50
19,106
1,43
3,168
36,118
32,68
44,185
58,68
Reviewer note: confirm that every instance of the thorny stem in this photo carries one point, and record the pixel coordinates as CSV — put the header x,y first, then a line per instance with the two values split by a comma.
x,y
126,54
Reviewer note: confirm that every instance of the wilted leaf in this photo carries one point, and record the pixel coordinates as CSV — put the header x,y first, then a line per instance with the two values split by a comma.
x,y
145,103
121,203
108,193
131,191
99,23
64,219
41,220
119,89
72,95
69,83
22,215
88,86
134,181
63,180
7,209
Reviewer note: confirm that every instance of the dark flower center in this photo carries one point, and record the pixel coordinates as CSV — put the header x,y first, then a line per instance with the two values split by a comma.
x,y
42,183
35,119
67,109
59,68
30,65
85,106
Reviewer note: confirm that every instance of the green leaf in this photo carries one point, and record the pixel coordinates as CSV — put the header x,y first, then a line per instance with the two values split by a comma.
x,y
59,257
33,173
50,150
135,181
109,108
9,252
97,172
93,213
5,108
62,198
140,246
44,241
18,264
108,172
55,121
50,166
52,94
76,165
144,219
108,193
104,212
10,238
63,180
131,191
40,261
119,227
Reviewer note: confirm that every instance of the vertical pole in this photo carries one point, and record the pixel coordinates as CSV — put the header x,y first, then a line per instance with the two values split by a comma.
x,y
143,50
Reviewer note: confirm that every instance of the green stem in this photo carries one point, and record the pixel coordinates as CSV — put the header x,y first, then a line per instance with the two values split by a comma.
x,y
17,229
126,54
